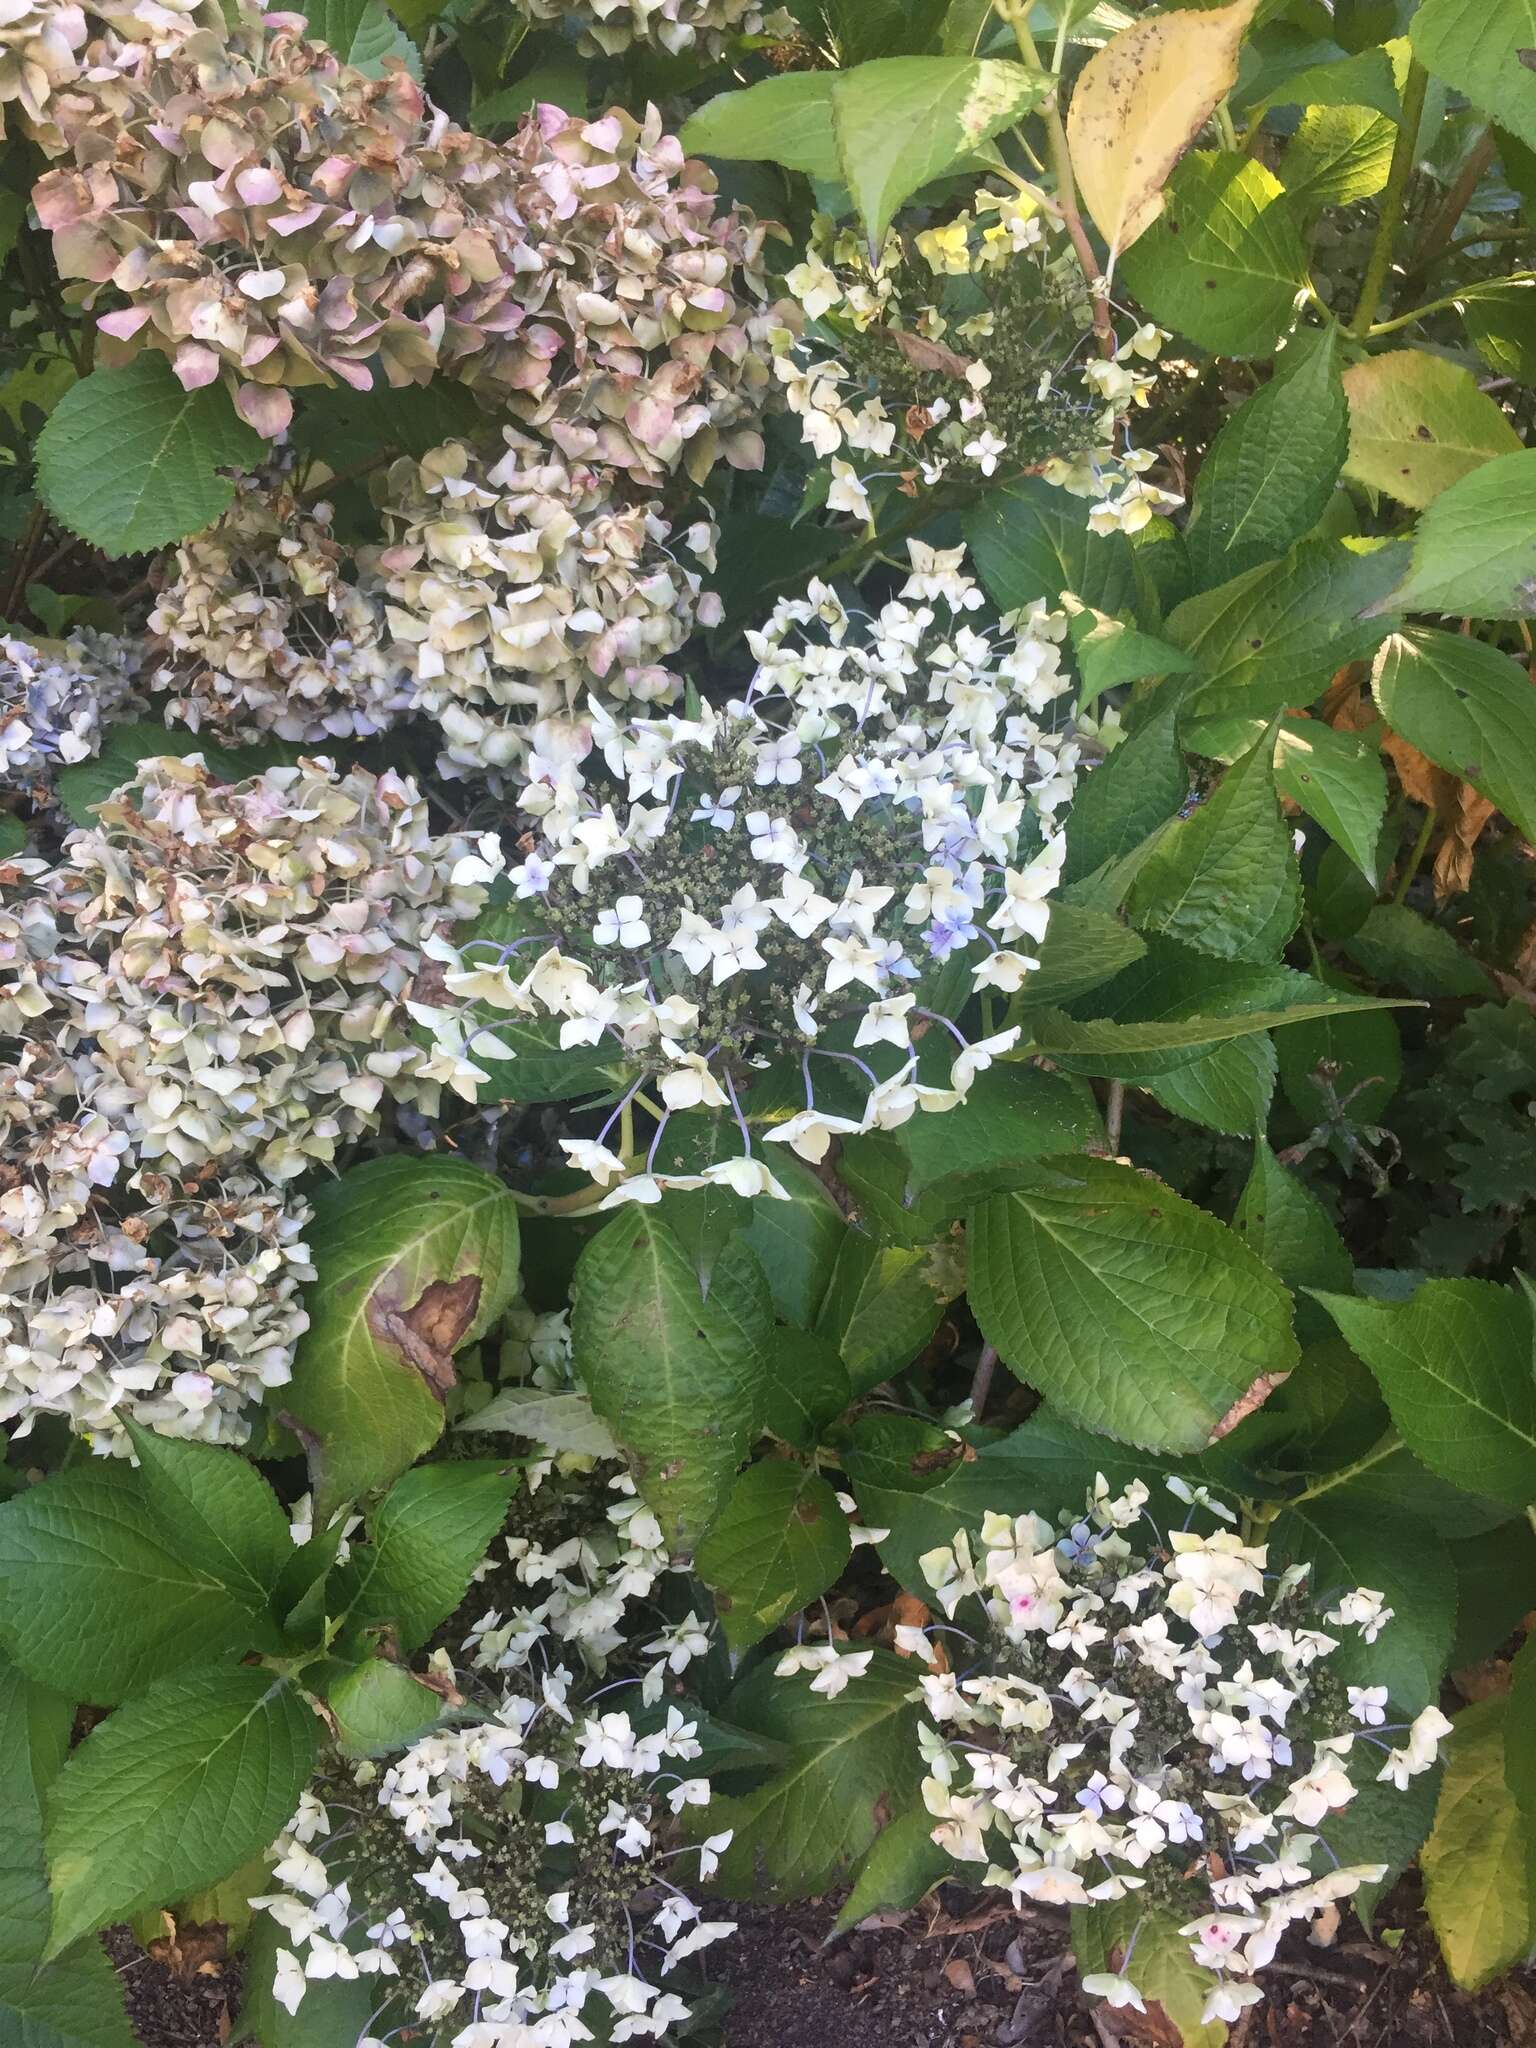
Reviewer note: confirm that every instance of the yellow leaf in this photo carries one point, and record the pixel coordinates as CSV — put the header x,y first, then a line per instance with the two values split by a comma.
x,y
1140,103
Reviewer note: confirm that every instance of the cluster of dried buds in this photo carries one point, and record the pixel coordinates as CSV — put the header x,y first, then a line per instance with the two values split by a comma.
x,y
258,210
55,705
202,999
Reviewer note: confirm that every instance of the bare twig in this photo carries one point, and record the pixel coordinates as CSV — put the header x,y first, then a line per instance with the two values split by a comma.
x,y
981,1385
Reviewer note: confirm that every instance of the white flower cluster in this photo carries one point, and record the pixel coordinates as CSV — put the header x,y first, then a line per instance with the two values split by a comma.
x,y
514,1883
790,876
514,587
1154,1717
54,706
260,630
921,376
608,27
202,999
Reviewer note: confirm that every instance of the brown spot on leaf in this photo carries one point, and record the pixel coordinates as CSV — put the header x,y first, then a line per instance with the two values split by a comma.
x,y
429,1332
1245,1404
807,1511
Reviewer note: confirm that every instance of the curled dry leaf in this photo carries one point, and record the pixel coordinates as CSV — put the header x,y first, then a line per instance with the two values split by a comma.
x,y
1140,103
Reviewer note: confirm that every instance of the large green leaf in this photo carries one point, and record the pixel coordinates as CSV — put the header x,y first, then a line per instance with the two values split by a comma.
x,y
425,1539
1418,423
903,1866
1364,80
797,1242
1144,1050
1285,1223
1477,1862
1474,552
1471,709
853,1766
332,2011
1273,637
129,461
1141,786
561,1421
1482,48
900,122
883,1303
1030,540
784,120
678,1376
1225,262
73,2002
1081,950
1225,879
362,33
777,1544
1270,472
1337,157
1398,947
807,1387
1161,1964
95,1600
416,1257
379,1707
174,1791
1110,652
1135,1312
1458,1368
214,1506
1227,1089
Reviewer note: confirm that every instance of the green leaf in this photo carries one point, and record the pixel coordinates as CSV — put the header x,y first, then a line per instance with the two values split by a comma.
x,y
1014,1113
1227,1089
74,2002
381,1707
1474,551
807,1387
96,1601
1471,709
210,1504
1457,1366
173,1791
903,1867
853,1766
416,1257
797,1242
1418,423
1225,879
1274,637
900,122
1495,1573
884,1302
1289,1229
1364,80
425,1538
1520,1737
1270,472
1141,786
1082,949
1398,947
1225,262
1336,778
1479,46
564,1422
1503,331
784,120
1162,1965
362,33
778,1543
1476,1863
1338,156
1133,1311
561,83
1110,652
1030,540
1350,1541
129,461
1146,1051
334,2010
678,1376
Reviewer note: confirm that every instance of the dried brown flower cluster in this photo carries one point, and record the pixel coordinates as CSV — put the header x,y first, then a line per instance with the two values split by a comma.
x,y
516,587
47,44
204,998
263,628
254,208
608,27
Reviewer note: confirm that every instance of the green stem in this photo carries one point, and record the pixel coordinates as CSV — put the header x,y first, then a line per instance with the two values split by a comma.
x,y
1388,1446
1415,858
1404,151
1440,305
1224,127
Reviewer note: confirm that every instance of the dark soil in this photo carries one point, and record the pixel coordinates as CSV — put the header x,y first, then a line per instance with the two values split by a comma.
x,y
956,1973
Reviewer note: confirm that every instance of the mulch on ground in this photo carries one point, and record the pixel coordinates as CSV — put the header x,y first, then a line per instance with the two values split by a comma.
x,y
956,1973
